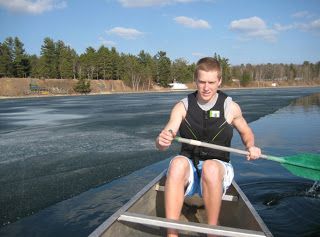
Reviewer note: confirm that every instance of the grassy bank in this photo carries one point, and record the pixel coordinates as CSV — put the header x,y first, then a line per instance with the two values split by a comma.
x,y
20,87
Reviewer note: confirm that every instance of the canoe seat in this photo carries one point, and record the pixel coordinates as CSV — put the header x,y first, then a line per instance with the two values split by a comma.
x,y
194,200
187,226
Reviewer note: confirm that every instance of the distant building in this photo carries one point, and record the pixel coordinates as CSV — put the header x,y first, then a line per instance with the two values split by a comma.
x,y
281,79
298,78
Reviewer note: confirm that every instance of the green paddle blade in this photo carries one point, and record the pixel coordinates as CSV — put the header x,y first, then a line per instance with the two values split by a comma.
x,y
303,172
303,165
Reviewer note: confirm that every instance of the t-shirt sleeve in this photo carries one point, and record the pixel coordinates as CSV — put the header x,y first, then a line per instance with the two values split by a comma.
x,y
185,103
228,108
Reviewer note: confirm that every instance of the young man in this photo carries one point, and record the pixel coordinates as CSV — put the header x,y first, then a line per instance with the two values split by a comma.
x,y
208,115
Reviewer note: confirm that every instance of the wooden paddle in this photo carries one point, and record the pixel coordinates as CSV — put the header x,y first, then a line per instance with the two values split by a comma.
x,y
303,165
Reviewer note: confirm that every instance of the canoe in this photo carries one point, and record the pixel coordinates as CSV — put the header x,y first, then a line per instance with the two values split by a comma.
x,y
144,215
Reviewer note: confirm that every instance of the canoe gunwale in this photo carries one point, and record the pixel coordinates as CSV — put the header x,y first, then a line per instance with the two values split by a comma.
x,y
252,210
106,224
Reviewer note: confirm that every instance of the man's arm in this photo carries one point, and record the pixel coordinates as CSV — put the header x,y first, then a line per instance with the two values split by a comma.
x,y
166,136
245,132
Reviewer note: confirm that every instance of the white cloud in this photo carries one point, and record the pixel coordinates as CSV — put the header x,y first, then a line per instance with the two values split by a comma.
x,y
31,6
253,27
267,34
301,14
107,42
197,54
315,25
311,26
126,33
280,27
192,23
248,24
149,3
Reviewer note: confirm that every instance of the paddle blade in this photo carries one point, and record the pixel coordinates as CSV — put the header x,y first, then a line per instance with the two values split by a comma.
x,y
303,172
306,160
303,165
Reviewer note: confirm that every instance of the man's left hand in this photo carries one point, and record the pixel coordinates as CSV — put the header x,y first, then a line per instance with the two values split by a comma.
x,y
254,153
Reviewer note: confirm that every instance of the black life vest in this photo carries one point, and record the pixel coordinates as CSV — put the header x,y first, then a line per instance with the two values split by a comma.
x,y
206,126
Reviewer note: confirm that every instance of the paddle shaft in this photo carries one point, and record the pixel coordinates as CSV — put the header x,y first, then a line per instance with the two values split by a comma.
x,y
296,167
221,148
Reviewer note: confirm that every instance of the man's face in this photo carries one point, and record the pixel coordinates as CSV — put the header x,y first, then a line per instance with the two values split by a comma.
x,y
207,85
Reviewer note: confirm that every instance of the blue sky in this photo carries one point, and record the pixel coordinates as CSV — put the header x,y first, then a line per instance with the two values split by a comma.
x,y
244,31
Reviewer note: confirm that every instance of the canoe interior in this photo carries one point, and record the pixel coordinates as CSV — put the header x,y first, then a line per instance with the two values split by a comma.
x,y
150,202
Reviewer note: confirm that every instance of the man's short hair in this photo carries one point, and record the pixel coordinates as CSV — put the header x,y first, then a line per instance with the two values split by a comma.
x,y
207,64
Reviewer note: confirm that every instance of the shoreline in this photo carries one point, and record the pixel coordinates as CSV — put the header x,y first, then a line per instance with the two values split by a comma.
x,y
151,91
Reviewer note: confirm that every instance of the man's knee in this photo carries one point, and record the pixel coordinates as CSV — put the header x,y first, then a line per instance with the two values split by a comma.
x,y
212,171
179,168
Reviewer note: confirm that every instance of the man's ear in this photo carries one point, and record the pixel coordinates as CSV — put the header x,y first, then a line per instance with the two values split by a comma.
x,y
220,81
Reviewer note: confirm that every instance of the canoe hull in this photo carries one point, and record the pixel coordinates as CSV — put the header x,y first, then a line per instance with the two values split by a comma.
x,y
147,207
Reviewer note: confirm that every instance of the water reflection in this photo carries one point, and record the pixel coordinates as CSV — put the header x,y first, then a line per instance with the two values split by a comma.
x,y
288,204
307,101
286,207
312,192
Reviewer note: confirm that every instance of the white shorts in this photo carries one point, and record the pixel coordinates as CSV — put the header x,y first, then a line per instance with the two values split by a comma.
x,y
194,183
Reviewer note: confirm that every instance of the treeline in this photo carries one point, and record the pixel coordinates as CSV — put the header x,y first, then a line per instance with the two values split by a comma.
x,y
58,60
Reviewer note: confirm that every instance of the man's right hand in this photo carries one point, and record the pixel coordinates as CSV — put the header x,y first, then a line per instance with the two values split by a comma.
x,y
165,139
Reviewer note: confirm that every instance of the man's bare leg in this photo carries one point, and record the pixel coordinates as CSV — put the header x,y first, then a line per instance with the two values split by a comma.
x,y
212,177
176,182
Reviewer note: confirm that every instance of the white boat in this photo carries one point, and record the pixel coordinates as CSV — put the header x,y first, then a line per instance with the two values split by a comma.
x,y
178,86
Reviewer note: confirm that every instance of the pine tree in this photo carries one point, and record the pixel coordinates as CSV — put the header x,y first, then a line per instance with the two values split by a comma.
x,y
245,79
102,62
180,71
163,68
48,59
225,67
83,86
2,62
88,64
67,60
21,60
35,67
7,58
148,66
114,64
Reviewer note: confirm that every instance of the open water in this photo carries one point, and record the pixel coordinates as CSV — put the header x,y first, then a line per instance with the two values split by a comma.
x,y
67,163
